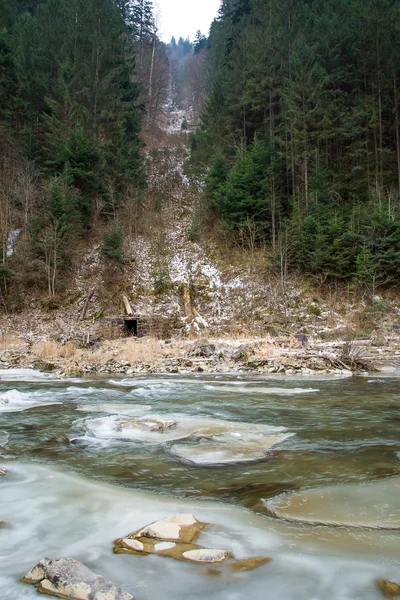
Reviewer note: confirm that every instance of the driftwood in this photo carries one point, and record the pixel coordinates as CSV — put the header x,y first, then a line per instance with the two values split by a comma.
x,y
127,305
86,305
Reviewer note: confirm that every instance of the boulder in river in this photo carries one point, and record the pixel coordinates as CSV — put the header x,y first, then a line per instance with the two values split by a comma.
x,y
180,528
388,588
173,537
69,578
3,472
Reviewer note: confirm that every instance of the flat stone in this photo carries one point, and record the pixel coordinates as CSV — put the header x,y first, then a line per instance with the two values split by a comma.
x,y
68,578
180,528
206,555
133,544
148,546
161,546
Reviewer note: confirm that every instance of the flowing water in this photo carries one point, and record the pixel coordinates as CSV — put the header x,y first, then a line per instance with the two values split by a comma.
x,y
274,465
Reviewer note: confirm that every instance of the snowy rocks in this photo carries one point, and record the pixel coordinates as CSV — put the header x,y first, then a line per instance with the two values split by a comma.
x,y
173,537
159,425
181,528
69,578
206,555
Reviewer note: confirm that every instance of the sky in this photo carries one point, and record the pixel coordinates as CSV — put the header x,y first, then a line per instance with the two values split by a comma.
x,y
184,17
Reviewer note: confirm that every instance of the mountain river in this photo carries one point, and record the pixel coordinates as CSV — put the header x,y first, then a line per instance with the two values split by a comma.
x,y
303,470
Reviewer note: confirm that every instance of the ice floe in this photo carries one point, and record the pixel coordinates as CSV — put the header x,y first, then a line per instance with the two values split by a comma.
x,y
15,401
373,505
199,440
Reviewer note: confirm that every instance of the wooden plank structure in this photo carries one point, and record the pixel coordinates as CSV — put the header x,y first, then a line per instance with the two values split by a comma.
x,y
160,326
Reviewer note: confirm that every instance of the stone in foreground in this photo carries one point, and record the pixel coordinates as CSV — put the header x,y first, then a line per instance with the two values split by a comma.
x,y
179,528
388,588
68,578
206,555
3,472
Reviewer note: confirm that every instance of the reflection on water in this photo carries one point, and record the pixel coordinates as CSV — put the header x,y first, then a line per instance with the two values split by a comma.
x,y
239,441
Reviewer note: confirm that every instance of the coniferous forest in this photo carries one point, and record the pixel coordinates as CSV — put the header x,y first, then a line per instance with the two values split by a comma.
x,y
300,133
294,112
73,95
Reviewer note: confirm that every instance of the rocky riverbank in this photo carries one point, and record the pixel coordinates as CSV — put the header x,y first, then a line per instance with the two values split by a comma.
x,y
128,356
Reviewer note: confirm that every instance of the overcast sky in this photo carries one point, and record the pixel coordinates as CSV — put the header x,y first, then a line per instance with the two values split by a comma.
x,y
185,17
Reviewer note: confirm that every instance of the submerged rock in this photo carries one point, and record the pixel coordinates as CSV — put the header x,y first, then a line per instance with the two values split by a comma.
x,y
248,564
69,578
388,588
250,494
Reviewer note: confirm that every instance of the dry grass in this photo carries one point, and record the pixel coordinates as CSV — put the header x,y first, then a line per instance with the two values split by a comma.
x,y
6,342
52,350
265,349
143,351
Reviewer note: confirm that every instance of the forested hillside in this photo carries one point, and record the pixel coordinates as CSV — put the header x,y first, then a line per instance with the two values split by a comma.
x,y
292,111
302,124
77,78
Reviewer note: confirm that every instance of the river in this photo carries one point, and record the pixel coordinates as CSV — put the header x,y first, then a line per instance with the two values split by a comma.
x,y
316,452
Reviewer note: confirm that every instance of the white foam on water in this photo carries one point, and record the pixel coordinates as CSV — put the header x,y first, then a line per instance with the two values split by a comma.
x,y
23,375
15,401
114,408
240,389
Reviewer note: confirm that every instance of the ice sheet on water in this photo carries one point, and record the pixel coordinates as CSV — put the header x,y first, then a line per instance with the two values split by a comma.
x,y
231,447
206,440
15,401
374,504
